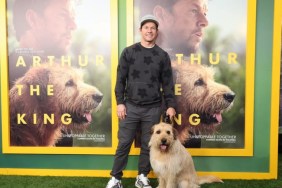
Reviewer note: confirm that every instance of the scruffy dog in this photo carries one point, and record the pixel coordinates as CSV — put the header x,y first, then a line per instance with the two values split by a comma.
x,y
171,162
48,99
201,96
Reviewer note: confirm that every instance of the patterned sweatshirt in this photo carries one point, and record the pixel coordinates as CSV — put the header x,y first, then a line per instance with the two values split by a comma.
x,y
141,73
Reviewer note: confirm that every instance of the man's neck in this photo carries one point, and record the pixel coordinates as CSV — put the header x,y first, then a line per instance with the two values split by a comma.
x,y
28,40
147,44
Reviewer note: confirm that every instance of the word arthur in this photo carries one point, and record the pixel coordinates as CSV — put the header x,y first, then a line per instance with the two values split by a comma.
x,y
83,60
214,58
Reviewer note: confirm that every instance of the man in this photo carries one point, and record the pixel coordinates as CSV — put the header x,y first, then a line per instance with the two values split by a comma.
x,y
43,28
181,24
144,68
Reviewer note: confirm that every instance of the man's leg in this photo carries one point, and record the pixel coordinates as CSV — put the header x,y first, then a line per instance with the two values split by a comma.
x,y
126,134
150,117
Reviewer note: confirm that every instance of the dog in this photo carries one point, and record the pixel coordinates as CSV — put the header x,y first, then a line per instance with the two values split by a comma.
x,y
171,162
47,100
202,96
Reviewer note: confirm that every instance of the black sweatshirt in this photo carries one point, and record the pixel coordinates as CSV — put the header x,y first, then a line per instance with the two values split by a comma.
x,y
141,73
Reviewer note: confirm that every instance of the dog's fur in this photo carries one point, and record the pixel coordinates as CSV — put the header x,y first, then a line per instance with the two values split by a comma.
x,y
70,95
200,95
171,162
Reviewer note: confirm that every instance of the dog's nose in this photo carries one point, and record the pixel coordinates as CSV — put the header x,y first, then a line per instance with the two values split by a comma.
x,y
97,97
163,141
229,96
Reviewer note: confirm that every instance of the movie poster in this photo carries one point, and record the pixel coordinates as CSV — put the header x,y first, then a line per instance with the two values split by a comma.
x,y
211,47
59,74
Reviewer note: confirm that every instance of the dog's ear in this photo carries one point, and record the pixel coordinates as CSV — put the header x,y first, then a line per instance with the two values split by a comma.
x,y
38,77
152,130
175,133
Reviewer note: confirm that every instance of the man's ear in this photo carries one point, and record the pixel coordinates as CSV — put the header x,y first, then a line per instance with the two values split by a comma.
x,y
32,18
163,16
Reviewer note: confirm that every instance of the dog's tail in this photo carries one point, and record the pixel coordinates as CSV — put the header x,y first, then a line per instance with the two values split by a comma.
x,y
208,179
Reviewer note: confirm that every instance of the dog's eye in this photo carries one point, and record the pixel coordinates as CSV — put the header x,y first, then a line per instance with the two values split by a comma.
x,y
199,82
168,132
70,83
158,132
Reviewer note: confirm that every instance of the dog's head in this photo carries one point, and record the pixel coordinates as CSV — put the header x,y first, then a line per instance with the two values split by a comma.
x,y
77,97
61,91
162,136
201,95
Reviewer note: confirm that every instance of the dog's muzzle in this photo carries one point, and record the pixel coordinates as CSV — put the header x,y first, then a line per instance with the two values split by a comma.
x,y
164,145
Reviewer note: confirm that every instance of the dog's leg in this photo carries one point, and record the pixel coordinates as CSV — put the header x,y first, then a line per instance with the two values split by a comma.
x,y
171,182
162,183
194,186
183,184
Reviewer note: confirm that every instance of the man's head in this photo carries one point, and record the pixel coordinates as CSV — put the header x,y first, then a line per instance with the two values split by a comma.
x,y
44,25
149,18
149,29
181,24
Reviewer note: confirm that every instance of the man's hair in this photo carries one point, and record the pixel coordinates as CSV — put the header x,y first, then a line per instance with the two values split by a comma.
x,y
19,13
146,6
168,4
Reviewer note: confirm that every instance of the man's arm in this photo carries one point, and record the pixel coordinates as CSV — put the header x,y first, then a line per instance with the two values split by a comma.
x,y
168,87
122,71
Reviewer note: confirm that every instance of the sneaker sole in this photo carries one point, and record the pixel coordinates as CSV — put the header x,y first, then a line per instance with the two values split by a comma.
x,y
139,186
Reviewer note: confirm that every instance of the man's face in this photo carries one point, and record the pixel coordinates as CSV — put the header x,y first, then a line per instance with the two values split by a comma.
x,y
185,29
149,32
54,31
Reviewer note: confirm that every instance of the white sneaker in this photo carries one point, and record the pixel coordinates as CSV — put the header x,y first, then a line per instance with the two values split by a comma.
x,y
142,182
114,183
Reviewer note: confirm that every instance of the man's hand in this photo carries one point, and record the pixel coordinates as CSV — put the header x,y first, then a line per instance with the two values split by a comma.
x,y
121,111
170,112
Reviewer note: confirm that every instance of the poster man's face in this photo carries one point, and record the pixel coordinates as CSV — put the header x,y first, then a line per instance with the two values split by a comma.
x,y
187,19
55,26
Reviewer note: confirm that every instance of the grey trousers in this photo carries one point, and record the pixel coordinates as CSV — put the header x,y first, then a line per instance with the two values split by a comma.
x,y
142,118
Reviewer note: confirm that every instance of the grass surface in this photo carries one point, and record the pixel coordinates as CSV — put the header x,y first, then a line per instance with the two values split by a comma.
x,y
88,182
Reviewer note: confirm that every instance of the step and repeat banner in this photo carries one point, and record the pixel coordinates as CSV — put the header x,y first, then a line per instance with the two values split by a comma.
x,y
62,108
58,73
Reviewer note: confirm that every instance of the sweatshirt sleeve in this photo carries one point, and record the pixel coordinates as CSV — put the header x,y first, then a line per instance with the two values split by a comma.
x,y
122,71
167,83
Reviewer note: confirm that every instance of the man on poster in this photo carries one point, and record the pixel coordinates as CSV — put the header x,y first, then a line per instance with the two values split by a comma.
x,y
43,28
182,24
